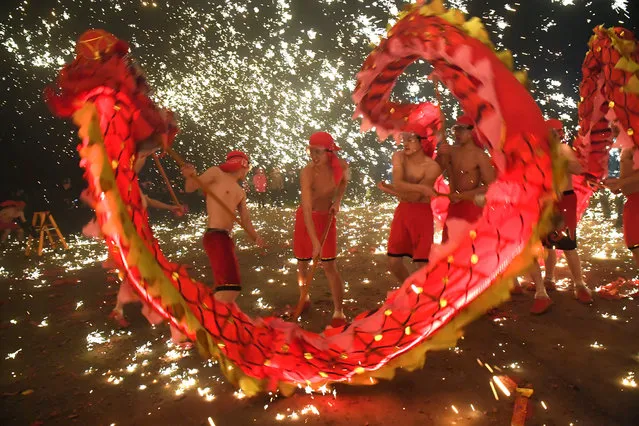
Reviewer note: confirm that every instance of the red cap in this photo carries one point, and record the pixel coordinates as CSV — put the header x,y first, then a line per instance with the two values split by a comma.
x,y
323,140
11,203
235,160
425,121
465,120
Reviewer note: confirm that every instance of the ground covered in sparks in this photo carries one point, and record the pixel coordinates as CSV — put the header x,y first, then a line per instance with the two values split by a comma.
x,y
63,361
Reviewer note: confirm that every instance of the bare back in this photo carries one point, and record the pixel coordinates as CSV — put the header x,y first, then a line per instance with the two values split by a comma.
x,y
469,168
421,170
573,167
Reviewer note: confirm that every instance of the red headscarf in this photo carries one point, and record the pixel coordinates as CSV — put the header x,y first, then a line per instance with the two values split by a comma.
x,y
425,121
11,203
326,141
235,160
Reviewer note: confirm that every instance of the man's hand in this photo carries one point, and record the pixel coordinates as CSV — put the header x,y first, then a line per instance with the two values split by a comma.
x,y
613,184
334,208
317,247
428,191
188,171
178,210
455,197
260,242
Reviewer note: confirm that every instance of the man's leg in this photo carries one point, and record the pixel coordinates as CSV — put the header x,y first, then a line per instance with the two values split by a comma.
x,y
337,287
582,292
572,257
635,255
227,296
397,268
551,262
302,275
542,300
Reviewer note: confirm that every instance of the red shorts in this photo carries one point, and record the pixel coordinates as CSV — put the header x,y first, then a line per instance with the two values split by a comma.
x,y
411,231
8,225
465,210
302,246
221,251
564,237
631,221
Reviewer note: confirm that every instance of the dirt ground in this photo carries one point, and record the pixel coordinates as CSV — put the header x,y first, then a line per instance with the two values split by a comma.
x,y
64,362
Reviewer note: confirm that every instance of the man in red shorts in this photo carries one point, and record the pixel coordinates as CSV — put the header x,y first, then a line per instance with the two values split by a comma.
x,y
469,172
563,237
414,174
323,183
10,211
628,184
223,181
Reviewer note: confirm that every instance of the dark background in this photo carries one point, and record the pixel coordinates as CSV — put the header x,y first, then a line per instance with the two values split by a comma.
x,y
38,150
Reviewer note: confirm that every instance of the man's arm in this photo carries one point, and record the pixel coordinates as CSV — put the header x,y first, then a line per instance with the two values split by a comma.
x,y
159,204
245,219
189,173
401,185
341,188
574,167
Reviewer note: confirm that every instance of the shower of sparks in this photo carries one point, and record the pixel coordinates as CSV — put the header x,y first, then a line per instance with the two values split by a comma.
x,y
256,75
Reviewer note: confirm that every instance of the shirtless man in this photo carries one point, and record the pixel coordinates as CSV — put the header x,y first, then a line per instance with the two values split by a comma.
x,y
323,183
223,181
414,175
563,237
469,172
9,212
628,184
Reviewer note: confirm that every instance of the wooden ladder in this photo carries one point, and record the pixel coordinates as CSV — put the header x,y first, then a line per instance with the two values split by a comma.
x,y
43,222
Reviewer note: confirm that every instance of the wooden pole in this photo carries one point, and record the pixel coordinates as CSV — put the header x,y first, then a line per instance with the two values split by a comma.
x,y
166,180
309,278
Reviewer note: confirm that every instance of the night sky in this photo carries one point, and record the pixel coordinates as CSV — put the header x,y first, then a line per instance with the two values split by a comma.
x,y
259,75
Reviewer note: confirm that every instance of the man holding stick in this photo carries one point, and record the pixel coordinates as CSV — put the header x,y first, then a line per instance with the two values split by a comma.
x,y
414,175
224,196
323,183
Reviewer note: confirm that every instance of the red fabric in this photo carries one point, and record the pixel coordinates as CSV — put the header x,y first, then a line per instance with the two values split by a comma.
x,y
221,252
11,203
631,222
235,160
425,121
259,182
8,225
465,120
411,231
464,210
326,141
565,237
302,246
